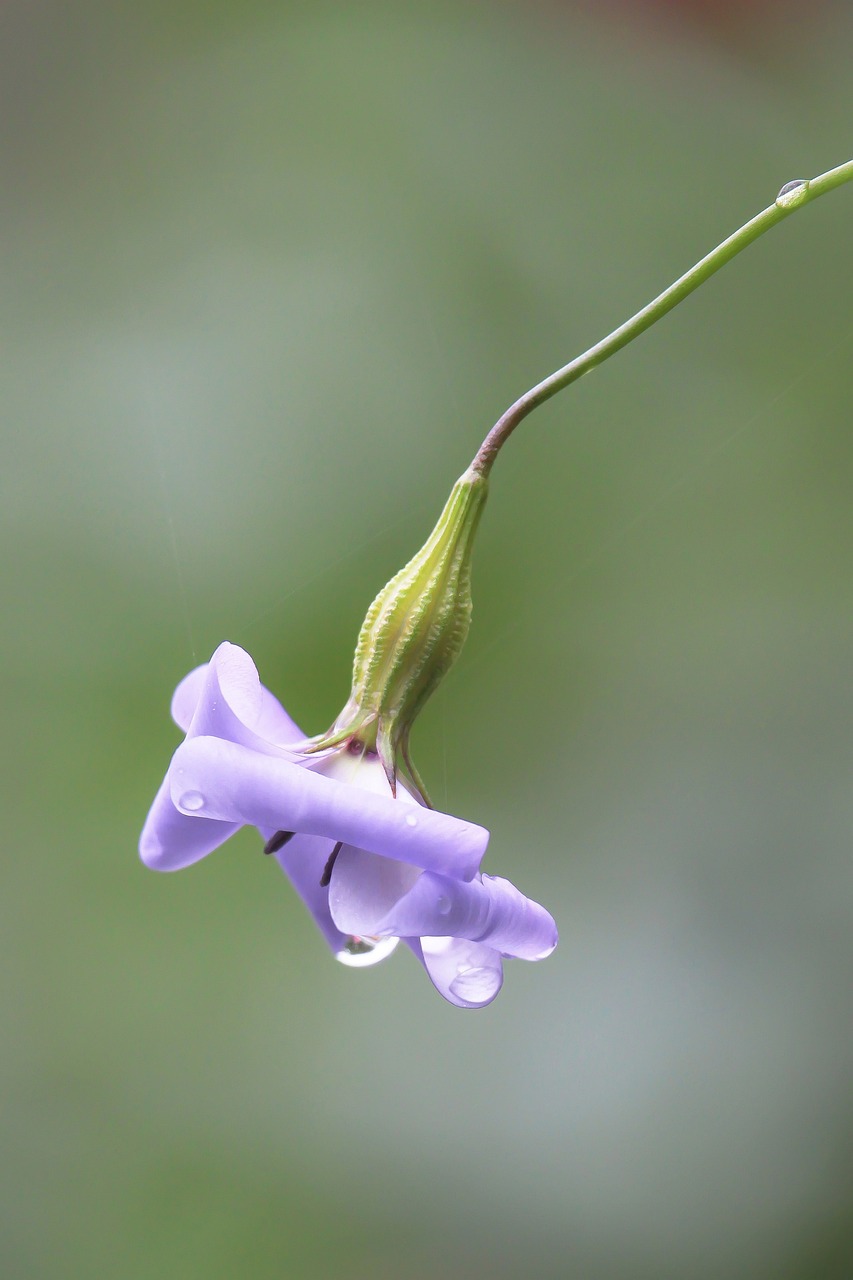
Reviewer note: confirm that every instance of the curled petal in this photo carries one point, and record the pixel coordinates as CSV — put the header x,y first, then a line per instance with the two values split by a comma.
x,y
186,697
223,780
233,704
465,973
170,840
365,887
488,910
303,860
274,723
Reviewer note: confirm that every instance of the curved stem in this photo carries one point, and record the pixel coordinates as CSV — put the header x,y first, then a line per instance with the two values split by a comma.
x,y
792,197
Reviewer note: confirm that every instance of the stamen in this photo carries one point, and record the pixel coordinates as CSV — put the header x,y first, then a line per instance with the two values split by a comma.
x,y
327,870
278,841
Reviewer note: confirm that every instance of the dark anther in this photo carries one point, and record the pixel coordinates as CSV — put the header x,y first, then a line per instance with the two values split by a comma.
x,y
327,870
278,841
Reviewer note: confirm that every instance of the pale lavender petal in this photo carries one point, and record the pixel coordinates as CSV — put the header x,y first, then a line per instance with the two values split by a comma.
x,y
170,840
186,697
465,973
303,860
488,910
365,887
234,680
224,780
229,702
274,723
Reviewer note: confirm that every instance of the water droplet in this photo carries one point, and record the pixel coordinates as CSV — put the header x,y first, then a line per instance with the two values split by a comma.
x,y
792,193
475,983
444,904
192,800
359,953
411,820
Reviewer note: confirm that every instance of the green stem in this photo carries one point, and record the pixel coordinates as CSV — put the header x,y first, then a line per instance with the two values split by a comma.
x,y
793,196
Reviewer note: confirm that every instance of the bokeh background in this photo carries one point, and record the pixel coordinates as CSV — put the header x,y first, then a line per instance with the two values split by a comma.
x,y
270,273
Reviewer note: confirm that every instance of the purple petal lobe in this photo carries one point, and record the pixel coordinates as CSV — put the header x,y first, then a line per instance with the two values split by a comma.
x,y
274,723
170,840
465,973
236,682
488,910
232,703
365,887
186,697
302,860
223,780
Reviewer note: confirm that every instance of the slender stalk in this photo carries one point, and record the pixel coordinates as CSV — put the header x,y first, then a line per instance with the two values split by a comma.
x,y
792,197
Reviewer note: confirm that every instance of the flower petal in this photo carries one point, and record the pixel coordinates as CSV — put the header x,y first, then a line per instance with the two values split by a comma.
x,y
230,699
218,779
488,910
465,973
186,697
274,723
170,840
365,887
303,860
233,704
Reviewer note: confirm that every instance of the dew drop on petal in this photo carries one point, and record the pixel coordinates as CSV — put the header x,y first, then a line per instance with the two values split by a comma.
x,y
192,800
443,904
411,820
359,953
475,983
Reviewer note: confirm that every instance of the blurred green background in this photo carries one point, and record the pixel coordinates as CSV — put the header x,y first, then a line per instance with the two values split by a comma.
x,y
271,272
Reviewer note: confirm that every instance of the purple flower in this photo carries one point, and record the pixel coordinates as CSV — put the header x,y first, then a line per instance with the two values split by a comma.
x,y
371,869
